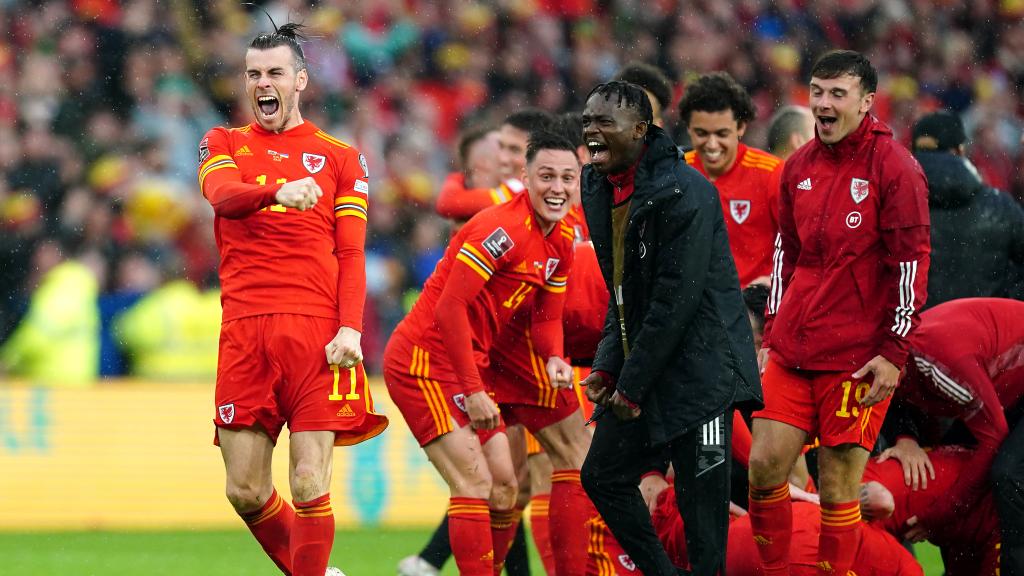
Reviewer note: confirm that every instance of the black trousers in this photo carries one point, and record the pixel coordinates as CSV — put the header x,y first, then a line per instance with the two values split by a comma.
x,y
1008,490
621,452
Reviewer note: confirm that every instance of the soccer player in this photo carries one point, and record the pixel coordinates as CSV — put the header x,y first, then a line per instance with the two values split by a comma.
x,y
459,201
515,255
716,111
290,205
976,383
790,128
655,84
968,539
478,179
676,356
850,271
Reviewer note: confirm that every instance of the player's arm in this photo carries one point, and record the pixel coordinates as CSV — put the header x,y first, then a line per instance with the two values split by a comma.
x,y
969,385
905,229
350,208
221,181
684,236
787,251
457,202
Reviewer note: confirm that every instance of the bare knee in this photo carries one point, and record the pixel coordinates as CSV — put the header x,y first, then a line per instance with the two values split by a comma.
x,y
247,495
504,490
307,482
768,467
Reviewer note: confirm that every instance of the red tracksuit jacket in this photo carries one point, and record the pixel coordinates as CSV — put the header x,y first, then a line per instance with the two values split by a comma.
x,y
851,260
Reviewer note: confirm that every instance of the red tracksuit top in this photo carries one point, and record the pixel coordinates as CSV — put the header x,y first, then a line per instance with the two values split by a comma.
x,y
850,268
967,362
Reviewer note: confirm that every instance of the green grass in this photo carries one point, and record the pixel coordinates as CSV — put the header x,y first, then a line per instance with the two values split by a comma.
x,y
368,552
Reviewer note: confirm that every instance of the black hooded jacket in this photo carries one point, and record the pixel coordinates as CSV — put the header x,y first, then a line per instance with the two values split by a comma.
x,y
977,233
692,354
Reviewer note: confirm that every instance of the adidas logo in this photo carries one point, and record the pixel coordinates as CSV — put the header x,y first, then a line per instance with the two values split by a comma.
x,y
805,185
243,151
762,540
824,565
346,412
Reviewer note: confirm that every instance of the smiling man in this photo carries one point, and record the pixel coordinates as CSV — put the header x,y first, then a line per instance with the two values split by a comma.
x,y
290,206
716,111
516,255
676,355
850,272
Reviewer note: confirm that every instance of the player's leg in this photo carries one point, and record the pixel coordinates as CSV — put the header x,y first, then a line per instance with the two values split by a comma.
x,y
459,459
619,454
247,455
429,560
839,472
517,562
779,432
504,491
248,423
311,458
540,505
1008,491
702,459
566,443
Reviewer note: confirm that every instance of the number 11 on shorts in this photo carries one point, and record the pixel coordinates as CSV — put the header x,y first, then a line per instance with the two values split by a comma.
x,y
352,394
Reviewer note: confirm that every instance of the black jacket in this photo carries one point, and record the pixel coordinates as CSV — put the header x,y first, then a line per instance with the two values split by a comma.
x,y
977,233
691,350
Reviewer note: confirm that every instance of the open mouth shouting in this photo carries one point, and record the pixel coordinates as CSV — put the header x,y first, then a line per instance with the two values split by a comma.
x,y
599,153
268,106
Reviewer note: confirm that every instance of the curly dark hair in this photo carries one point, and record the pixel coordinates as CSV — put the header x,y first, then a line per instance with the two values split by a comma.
x,y
629,96
717,92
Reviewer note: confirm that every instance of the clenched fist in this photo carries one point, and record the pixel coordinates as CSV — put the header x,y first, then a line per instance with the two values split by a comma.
x,y
300,194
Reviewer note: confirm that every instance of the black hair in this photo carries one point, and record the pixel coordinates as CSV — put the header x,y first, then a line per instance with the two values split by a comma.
x,y
650,78
288,35
629,96
530,120
546,140
785,122
468,138
755,297
570,126
841,62
717,92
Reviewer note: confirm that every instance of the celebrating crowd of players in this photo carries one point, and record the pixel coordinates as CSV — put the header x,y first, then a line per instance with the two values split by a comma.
x,y
492,356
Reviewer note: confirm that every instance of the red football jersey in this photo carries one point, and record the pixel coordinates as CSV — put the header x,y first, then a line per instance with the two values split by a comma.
x,y
498,263
280,260
517,367
749,193
970,535
457,202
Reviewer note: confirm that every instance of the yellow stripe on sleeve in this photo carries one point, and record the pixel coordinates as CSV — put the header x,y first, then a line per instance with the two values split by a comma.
x,y
350,200
476,267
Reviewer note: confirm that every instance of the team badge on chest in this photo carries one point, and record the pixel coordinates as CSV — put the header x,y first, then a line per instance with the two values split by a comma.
x,y
550,268
859,189
740,210
313,162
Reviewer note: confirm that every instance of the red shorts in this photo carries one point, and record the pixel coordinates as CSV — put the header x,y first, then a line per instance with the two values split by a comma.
x,y
823,404
272,370
536,418
431,407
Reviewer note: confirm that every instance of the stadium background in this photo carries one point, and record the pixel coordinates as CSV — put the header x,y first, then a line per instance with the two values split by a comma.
x,y
108,319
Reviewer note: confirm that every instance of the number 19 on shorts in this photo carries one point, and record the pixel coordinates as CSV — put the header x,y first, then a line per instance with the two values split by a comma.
x,y
845,410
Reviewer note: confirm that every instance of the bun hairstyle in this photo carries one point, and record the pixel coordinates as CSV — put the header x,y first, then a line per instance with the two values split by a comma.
x,y
289,35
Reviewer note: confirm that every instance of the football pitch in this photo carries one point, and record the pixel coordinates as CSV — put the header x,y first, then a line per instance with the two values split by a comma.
x,y
367,552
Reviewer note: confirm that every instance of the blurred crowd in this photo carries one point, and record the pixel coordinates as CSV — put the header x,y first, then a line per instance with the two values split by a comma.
x,y
103,102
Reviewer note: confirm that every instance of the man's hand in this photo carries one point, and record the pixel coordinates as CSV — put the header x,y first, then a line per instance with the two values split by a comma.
x,y
483,412
559,372
299,194
762,359
887,375
623,408
798,494
598,389
344,350
650,486
917,466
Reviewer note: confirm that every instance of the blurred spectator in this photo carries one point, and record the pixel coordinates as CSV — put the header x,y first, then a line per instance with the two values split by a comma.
x,y
977,231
